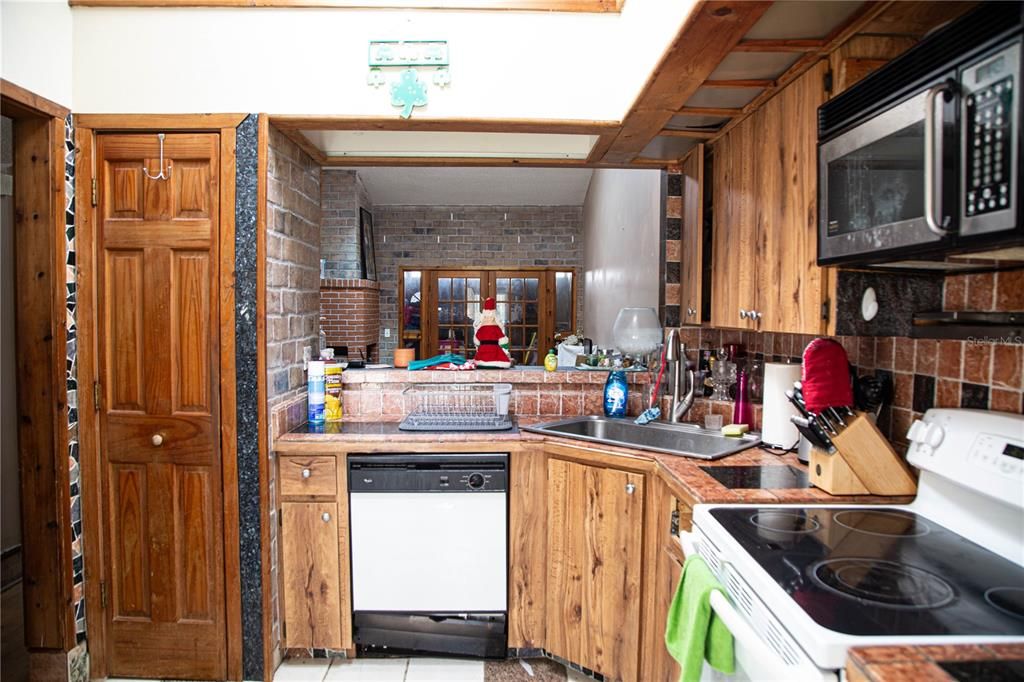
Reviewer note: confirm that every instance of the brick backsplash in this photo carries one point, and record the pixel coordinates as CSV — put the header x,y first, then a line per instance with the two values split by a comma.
x,y
926,373
376,395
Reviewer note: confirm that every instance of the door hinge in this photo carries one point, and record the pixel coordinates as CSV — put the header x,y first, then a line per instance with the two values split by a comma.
x,y
827,83
94,200
96,396
103,595
825,307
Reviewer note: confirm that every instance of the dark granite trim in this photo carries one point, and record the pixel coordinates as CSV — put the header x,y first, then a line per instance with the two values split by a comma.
x,y
662,229
899,296
246,378
974,396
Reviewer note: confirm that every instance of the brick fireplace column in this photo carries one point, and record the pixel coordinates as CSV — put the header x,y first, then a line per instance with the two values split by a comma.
x,y
350,312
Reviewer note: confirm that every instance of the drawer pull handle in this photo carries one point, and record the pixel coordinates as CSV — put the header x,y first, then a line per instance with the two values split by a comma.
x,y
306,473
326,517
157,439
630,488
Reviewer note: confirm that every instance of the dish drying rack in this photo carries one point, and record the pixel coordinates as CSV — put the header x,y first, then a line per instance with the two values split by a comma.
x,y
457,407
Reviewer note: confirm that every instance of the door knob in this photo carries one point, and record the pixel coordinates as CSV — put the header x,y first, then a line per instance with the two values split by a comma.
x,y
630,488
326,517
157,439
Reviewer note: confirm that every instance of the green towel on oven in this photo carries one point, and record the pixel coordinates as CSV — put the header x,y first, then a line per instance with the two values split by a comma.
x,y
693,631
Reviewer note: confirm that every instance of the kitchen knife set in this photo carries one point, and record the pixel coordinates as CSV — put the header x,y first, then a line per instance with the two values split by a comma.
x,y
850,455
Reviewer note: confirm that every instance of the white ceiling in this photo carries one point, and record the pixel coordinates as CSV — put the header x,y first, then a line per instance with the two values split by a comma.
x,y
420,144
475,186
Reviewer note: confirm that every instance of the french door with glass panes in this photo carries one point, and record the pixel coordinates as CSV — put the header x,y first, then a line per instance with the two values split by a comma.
x,y
534,305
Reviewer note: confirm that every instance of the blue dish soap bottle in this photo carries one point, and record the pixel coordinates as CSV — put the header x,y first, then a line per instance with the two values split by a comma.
x,y
616,393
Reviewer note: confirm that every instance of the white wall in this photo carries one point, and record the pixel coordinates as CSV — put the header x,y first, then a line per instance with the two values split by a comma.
x,y
621,221
35,47
313,61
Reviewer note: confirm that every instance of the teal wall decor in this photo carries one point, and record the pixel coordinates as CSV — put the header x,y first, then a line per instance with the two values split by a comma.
x,y
407,90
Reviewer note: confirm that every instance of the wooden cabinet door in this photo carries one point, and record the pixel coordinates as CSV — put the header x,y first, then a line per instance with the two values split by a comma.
x,y
595,531
790,286
311,575
157,309
692,237
735,255
667,574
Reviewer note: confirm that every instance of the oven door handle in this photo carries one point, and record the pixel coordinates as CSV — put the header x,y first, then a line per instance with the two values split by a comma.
x,y
931,157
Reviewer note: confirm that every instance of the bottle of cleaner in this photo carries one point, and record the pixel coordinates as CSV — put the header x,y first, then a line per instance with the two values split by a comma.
x,y
551,361
615,394
316,392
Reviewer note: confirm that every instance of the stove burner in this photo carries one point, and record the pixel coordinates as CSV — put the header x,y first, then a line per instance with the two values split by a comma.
x,y
885,583
885,523
797,523
1009,600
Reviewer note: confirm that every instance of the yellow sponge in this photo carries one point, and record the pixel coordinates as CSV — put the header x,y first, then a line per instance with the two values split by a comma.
x,y
735,430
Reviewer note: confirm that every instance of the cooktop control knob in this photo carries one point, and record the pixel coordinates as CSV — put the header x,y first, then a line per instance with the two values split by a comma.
x,y
476,480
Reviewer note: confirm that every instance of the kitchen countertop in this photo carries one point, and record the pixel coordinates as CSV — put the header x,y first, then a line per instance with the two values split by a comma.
x,y
683,475
923,663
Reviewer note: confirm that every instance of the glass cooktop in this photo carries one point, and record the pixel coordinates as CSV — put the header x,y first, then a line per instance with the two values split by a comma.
x,y
881,571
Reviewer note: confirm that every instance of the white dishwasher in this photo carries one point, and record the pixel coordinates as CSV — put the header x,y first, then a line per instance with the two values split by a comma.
x,y
429,536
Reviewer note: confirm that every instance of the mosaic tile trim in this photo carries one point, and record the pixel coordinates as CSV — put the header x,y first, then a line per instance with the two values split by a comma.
x,y
71,303
671,247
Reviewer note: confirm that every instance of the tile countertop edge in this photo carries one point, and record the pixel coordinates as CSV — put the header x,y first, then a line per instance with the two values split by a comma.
x,y
683,475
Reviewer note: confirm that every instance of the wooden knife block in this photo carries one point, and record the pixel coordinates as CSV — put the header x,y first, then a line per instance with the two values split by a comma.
x,y
863,464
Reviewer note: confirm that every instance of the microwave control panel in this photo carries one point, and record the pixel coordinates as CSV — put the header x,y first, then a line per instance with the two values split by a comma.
x,y
991,120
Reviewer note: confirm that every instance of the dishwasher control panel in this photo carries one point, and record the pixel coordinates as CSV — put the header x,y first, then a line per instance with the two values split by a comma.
x,y
451,472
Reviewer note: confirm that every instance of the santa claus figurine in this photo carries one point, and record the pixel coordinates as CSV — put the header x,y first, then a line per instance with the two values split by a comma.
x,y
489,337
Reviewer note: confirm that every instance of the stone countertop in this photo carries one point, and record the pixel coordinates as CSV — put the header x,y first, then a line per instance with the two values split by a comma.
x,y
683,475
922,663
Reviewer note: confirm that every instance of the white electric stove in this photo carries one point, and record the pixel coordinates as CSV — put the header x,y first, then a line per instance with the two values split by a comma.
x,y
807,583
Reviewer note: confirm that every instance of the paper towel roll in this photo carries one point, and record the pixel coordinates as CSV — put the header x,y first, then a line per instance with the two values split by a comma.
x,y
776,429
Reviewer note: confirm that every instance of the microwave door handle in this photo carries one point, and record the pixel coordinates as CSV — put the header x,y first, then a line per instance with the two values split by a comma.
x,y
931,158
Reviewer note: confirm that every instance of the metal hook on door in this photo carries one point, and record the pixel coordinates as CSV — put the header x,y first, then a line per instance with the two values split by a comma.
x,y
161,175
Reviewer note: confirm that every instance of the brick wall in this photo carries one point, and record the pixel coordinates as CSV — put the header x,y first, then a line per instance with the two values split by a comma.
x,y
293,266
466,236
342,194
350,313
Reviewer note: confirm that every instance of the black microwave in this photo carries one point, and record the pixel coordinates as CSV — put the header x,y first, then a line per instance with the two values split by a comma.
x,y
922,159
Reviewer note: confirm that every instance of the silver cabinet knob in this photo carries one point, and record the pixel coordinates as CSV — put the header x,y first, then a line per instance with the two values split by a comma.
x,y
157,439
755,315
326,517
743,314
691,312
630,488
306,473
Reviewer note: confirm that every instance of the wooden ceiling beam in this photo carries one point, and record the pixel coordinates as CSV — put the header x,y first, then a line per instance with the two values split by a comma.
x,y
794,45
709,111
463,161
740,83
706,37
693,134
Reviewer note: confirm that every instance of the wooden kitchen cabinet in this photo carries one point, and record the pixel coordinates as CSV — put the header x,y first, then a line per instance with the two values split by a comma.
x,y
764,275
311,575
595,559
314,561
692,238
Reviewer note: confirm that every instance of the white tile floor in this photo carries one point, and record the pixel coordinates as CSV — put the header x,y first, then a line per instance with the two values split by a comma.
x,y
387,670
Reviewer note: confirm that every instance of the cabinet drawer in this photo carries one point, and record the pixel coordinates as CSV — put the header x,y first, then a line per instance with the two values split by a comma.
x,y
308,475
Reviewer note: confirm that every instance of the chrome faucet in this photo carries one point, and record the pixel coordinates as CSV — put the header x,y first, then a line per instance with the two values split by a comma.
x,y
675,353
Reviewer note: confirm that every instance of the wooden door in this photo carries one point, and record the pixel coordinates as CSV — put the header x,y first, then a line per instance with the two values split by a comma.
x,y
457,296
595,533
311,575
692,236
525,302
157,308
791,287
734,235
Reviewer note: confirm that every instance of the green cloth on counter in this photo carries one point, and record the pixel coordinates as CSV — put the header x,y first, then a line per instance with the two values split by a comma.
x,y
693,631
437,360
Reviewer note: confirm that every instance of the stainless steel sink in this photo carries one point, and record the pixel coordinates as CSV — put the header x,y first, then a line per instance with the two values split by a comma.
x,y
686,440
